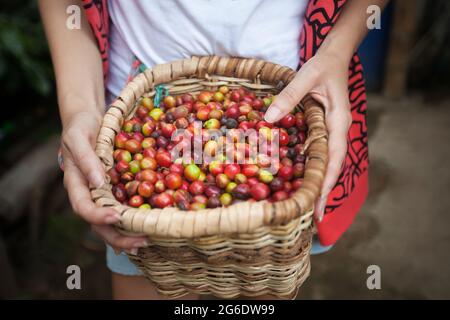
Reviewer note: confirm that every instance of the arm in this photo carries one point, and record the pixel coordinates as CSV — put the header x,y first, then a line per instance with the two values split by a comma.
x,y
325,77
79,79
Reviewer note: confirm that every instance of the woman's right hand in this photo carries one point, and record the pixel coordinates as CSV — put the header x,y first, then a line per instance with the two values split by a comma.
x,y
81,168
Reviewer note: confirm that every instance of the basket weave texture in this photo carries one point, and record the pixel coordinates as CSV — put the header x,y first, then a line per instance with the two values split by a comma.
x,y
246,249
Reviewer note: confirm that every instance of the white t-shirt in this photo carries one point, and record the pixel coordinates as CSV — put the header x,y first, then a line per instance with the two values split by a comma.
x,y
159,31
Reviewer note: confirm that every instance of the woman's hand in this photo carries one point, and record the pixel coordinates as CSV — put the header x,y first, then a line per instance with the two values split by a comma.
x,y
325,78
81,168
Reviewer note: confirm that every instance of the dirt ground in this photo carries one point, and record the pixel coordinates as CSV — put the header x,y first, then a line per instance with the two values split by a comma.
x,y
403,227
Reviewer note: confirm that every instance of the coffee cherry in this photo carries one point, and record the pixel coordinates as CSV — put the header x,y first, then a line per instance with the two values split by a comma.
x,y
114,176
147,102
293,140
277,184
192,172
136,201
212,124
176,168
297,183
126,177
163,200
288,121
242,191
173,181
128,126
133,146
216,167
222,180
218,96
148,175
135,167
265,176
231,123
252,181
283,138
180,112
250,170
122,166
163,159
123,155
197,206
224,89
197,187
286,172
120,140
279,196
205,97
301,137
233,112
203,113
170,102
119,192
230,187
181,196
267,101
235,96
240,178
148,163
160,186
287,186
260,191
146,189
182,123
216,114
156,114
292,130
258,104
226,199
148,143
231,170
300,121
131,187
212,190
298,170
213,202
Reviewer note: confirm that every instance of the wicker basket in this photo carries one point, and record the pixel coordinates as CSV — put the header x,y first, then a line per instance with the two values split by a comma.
x,y
246,249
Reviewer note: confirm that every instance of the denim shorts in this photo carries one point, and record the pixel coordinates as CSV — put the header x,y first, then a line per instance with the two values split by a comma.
x,y
122,265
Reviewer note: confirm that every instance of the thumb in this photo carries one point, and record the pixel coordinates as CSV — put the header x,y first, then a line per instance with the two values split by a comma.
x,y
289,97
86,160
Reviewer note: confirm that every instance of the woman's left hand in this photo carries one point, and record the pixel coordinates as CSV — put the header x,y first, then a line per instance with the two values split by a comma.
x,y
325,78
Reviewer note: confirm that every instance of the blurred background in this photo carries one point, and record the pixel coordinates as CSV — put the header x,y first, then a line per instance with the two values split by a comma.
x,y
403,228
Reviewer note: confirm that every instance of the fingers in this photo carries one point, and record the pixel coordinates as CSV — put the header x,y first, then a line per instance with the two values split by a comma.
x,y
291,95
338,123
81,201
84,156
120,242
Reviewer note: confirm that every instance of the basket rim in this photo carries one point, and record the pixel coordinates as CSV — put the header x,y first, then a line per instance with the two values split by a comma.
x,y
243,217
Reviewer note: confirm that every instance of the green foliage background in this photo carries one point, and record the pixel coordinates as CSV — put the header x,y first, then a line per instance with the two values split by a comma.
x,y
25,64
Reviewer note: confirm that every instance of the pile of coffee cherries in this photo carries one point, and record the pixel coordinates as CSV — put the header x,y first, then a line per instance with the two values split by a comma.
x,y
145,175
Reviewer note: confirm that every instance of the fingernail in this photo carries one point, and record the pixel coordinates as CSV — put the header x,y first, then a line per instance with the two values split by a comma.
x,y
321,208
133,251
96,179
141,244
272,114
112,219
320,217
